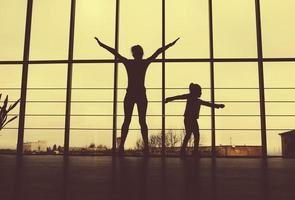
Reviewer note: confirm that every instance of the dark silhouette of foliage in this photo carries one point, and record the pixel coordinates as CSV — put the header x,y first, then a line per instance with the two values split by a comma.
x,y
92,145
155,141
4,110
54,148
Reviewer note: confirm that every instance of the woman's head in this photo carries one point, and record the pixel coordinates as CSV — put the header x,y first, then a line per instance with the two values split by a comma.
x,y
195,89
137,51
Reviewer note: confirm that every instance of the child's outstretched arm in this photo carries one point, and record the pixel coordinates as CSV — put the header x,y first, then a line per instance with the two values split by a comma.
x,y
178,97
212,105
111,50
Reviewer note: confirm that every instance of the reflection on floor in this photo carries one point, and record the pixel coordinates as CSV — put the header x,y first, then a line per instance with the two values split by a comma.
x,y
87,178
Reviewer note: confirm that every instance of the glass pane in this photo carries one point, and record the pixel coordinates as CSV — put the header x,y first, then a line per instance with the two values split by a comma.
x,y
178,78
50,29
10,85
140,23
234,29
134,143
92,107
187,19
94,18
12,23
94,142
238,124
278,32
43,141
45,109
280,100
8,140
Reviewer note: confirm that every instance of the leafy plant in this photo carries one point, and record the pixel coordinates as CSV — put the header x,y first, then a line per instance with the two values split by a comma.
x,y
4,110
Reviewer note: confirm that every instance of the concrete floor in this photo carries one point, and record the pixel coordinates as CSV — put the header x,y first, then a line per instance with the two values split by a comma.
x,y
87,178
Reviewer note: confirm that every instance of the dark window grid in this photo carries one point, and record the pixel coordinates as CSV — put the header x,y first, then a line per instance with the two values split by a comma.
x,y
152,129
260,60
121,102
121,115
166,60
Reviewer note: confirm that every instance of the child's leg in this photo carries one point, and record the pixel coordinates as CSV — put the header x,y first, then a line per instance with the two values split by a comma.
x,y
188,133
196,133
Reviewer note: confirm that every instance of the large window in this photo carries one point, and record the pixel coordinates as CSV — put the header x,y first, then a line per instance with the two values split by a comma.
x,y
239,123
45,106
10,85
74,90
92,108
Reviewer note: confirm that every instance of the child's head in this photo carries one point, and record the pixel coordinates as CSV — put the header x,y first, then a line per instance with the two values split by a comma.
x,y
195,89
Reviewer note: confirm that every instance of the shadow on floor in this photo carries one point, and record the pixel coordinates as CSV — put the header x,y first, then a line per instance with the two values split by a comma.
x,y
83,178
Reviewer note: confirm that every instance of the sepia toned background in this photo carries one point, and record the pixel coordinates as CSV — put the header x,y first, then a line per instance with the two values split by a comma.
x,y
140,22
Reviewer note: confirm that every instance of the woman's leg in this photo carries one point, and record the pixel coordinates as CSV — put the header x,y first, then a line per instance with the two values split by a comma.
x,y
142,108
128,109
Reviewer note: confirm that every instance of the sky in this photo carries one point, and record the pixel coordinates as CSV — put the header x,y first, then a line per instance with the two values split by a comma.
x,y
140,23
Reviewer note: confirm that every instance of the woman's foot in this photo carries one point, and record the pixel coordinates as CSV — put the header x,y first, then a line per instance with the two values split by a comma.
x,y
196,154
121,152
146,152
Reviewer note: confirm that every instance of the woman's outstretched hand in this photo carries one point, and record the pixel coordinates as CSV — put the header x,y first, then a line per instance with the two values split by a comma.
x,y
98,41
172,43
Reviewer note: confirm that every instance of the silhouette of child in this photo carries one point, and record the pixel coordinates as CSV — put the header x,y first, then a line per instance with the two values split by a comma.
x,y
191,114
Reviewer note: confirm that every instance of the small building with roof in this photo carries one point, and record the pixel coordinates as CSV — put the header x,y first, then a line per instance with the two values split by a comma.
x,y
288,144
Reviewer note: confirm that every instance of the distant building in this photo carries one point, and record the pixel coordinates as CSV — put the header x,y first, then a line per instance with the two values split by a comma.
x,y
39,146
288,144
229,150
222,150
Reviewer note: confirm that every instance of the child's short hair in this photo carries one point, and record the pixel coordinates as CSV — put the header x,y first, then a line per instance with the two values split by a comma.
x,y
195,89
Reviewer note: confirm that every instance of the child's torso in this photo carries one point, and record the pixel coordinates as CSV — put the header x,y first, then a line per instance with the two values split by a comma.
x,y
193,106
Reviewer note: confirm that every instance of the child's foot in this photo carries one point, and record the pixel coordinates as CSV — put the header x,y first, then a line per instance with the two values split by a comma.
x,y
182,153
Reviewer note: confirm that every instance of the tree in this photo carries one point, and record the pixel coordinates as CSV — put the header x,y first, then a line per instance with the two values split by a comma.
x,y
155,141
48,149
171,138
54,148
59,148
92,145
139,144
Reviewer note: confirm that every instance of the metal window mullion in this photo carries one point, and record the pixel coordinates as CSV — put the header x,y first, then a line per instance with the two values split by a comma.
x,y
69,79
212,86
22,110
115,100
261,79
163,80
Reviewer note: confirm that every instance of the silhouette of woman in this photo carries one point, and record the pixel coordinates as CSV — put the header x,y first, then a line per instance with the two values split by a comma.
x,y
191,114
136,93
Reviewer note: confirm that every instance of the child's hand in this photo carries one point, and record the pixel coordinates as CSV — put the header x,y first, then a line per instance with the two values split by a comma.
x,y
221,105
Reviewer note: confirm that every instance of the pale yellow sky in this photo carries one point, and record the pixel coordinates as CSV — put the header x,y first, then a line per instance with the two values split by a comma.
x,y
140,23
